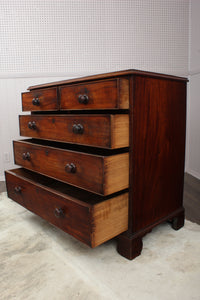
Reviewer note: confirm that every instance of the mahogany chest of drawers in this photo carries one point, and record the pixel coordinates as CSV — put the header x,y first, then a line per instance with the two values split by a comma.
x,y
105,156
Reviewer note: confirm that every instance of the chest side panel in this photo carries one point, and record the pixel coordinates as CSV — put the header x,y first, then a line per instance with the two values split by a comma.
x,y
158,149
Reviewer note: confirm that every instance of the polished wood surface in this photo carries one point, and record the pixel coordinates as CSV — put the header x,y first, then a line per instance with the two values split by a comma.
x,y
157,153
40,100
91,223
158,148
141,131
97,173
107,94
191,197
107,131
124,73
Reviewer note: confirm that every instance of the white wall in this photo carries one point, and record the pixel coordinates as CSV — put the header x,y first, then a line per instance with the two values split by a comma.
x,y
87,36
193,124
41,40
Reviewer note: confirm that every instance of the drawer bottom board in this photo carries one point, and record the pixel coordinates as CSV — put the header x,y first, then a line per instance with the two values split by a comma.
x,y
90,218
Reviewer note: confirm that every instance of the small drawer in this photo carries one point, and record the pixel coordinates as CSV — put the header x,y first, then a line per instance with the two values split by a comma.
x,y
99,172
105,131
109,94
90,218
40,100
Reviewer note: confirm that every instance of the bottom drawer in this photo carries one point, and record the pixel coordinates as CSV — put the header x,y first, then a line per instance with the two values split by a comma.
x,y
91,218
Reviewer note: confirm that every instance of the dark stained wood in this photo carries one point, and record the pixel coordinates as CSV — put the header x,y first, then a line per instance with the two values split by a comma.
x,y
130,244
157,153
178,221
47,100
74,193
87,222
96,129
106,76
129,247
79,148
92,172
158,136
97,95
154,130
191,197
43,202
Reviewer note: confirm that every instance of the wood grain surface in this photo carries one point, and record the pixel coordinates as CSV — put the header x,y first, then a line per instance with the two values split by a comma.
x,y
98,95
100,174
47,100
92,224
158,149
124,73
107,131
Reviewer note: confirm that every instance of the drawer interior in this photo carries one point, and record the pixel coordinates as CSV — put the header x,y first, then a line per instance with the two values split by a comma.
x,y
90,218
62,188
79,148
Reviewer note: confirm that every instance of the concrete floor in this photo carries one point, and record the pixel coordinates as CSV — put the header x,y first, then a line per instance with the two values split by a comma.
x,y
39,261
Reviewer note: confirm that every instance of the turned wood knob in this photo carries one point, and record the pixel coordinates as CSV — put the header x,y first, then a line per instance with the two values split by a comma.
x,y
32,125
18,189
77,128
70,168
26,156
58,212
83,99
36,101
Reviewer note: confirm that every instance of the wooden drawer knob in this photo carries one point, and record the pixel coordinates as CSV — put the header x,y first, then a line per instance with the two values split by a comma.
x,y
26,156
70,168
83,99
36,101
32,125
77,128
58,212
18,189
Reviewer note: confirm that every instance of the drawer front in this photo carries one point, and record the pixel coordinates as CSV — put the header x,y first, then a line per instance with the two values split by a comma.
x,y
91,224
106,131
102,175
40,100
110,94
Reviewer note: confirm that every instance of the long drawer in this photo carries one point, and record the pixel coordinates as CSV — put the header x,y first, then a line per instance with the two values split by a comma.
x,y
89,218
106,131
100,173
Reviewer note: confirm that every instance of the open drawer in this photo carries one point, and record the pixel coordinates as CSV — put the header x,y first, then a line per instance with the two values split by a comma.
x,y
95,170
91,218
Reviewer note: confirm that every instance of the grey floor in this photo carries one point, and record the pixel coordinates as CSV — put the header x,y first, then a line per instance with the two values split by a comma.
x,y
2,186
191,198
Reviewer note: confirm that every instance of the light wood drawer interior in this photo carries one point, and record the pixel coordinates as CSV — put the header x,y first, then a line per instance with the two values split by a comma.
x,y
90,218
